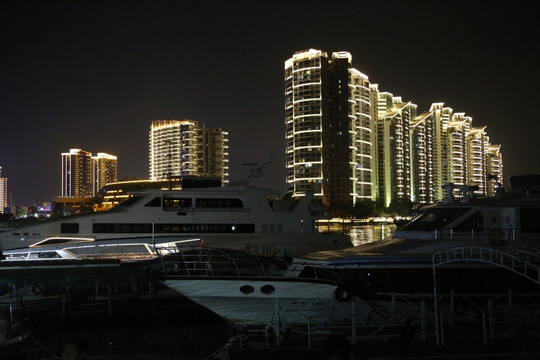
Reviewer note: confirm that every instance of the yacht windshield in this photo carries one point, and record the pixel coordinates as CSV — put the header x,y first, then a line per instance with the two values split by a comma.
x,y
130,201
435,218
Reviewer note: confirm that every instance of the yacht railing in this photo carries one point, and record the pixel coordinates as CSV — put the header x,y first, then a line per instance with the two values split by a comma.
x,y
496,236
522,262
406,317
211,262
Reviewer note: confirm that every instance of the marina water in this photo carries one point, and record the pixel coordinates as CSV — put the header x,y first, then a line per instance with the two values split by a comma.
x,y
360,232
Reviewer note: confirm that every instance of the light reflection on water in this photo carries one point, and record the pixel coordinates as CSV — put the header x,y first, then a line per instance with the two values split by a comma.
x,y
361,234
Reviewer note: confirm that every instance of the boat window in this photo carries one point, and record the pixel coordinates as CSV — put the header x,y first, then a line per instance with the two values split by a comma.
x,y
205,228
155,202
69,228
435,218
218,203
474,222
128,202
308,272
121,228
173,204
49,255
172,228
529,220
61,240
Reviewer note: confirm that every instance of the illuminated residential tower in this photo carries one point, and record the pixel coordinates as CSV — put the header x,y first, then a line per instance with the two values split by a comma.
x,y
186,147
77,174
328,127
441,117
477,142
393,152
494,168
104,170
3,192
422,172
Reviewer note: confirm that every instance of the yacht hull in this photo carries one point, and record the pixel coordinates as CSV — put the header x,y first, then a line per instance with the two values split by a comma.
x,y
259,302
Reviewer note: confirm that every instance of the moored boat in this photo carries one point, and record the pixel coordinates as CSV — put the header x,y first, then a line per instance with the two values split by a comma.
x,y
234,216
252,290
457,256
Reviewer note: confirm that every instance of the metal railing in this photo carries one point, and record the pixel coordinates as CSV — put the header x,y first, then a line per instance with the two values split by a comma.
x,y
523,262
493,235
211,262
520,261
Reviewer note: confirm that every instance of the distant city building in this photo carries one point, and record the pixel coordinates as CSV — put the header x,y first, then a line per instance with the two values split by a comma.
x,y
393,156
455,147
422,170
348,141
187,148
328,127
104,170
44,209
494,168
77,174
83,175
476,171
441,117
3,192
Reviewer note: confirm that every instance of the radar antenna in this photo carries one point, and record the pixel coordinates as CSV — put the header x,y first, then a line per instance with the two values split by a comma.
x,y
256,169
167,174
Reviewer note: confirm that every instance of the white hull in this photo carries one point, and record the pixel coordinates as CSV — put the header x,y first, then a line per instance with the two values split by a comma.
x,y
237,217
294,302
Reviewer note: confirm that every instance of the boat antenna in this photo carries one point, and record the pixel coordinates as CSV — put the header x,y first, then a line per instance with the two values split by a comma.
x,y
167,174
153,235
256,169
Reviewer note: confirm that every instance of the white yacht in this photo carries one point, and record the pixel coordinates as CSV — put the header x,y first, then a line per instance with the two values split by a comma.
x,y
235,216
254,290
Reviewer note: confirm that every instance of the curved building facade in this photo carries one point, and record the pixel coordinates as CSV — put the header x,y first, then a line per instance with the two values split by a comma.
x,y
328,127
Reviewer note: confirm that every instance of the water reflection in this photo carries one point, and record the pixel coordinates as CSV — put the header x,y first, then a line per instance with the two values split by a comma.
x,y
361,233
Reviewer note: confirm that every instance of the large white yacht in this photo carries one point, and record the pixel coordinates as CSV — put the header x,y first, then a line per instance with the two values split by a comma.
x,y
234,216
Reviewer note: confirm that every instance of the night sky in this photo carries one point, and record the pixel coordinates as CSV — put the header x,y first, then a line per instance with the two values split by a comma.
x,y
94,74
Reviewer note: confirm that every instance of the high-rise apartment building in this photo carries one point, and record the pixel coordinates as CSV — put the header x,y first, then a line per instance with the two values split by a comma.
x,y
494,169
83,175
104,171
441,117
393,157
185,147
421,146
77,174
216,154
348,141
328,127
455,144
3,192
476,160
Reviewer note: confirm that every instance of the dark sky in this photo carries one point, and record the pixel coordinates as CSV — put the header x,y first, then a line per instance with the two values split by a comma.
x,y
94,74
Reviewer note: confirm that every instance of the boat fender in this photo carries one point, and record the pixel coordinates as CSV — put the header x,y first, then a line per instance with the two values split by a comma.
x,y
496,238
342,294
37,289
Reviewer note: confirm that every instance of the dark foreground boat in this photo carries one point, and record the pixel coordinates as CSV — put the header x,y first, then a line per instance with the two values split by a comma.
x,y
253,290
473,260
